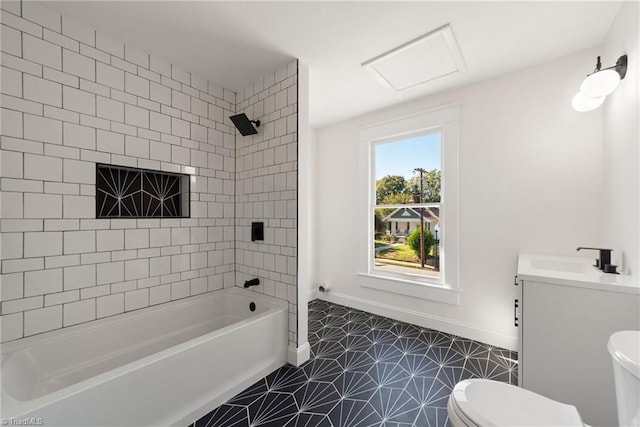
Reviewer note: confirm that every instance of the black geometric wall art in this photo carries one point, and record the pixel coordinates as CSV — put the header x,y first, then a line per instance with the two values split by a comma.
x,y
125,192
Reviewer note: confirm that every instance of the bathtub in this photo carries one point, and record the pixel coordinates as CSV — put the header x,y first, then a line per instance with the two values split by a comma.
x,y
164,365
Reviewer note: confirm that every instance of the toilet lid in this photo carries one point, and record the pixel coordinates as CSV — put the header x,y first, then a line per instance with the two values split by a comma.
x,y
492,403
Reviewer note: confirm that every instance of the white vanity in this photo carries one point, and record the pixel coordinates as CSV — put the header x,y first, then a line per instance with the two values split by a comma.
x,y
566,311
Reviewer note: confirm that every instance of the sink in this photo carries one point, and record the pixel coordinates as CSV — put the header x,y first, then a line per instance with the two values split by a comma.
x,y
562,266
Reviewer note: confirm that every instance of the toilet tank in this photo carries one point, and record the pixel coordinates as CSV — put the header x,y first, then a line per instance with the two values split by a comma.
x,y
624,347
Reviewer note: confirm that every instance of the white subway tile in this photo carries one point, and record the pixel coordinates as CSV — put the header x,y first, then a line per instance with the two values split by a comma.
x,y
61,224
76,242
94,122
11,245
42,244
180,155
79,136
159,266
134,300
136,147
180,290
62,261
109,44
41,52
11,123
14,306
42,320
42,282
11,82
79,312
60,77
110,142
180,100
159,294
180,263
112,272
42,205
60,40
42,129
160,122
42,167
160,151
94,53
12,286
160,93
136,116
78,100
110,305
136,85
110,240
17,265
79,277
78,65
61,298
136,239
78,206
61,188
11,164
198,133
136,269
79,171
11,40
41,15
11,326
78,31
110,109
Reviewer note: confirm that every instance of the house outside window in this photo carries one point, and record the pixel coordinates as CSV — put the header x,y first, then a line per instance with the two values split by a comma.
x,y
408,174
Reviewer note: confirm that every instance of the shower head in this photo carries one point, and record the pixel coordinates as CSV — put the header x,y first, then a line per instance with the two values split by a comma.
x,y
244,125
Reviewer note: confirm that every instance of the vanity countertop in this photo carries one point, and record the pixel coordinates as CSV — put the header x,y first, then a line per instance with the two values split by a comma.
x,y
573,271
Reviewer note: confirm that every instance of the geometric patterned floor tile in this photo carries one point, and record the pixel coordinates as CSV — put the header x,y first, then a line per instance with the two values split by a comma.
x,y
365,371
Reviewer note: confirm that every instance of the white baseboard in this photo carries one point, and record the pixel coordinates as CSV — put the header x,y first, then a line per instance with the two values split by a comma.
x,y
297,356
313,294
464,330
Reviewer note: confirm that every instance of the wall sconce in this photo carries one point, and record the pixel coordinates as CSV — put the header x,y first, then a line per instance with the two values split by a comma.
x,y
597,85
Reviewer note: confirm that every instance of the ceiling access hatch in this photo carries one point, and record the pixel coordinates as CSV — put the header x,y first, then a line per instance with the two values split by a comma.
x,y
421,60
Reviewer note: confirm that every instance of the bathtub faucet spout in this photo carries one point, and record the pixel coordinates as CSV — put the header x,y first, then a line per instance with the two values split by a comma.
x,y
252,282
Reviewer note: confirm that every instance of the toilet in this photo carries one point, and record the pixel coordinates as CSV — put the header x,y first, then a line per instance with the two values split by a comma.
x,y
484,403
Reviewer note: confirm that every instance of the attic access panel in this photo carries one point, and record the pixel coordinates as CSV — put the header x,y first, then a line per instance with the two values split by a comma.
x,y
429,57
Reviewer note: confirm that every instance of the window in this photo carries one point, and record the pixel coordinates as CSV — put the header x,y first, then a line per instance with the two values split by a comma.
x,y
124,192
408,204
407,175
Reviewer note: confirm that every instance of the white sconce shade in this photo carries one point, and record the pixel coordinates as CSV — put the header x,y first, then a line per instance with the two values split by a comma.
x,y
583,103
600,84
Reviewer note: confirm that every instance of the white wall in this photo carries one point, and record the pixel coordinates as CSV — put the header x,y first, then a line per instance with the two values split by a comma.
x,y
621,138
530,172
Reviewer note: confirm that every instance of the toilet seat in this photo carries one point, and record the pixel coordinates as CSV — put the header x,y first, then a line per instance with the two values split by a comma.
x,y
484,403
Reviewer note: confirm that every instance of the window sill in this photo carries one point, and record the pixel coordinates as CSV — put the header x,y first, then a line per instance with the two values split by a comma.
x,y
410,288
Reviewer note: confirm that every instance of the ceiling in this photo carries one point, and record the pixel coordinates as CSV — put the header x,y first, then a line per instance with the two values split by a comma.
x,y
232,43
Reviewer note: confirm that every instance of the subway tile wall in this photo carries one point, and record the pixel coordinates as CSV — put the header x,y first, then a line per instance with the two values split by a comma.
x,y
72,97
267,188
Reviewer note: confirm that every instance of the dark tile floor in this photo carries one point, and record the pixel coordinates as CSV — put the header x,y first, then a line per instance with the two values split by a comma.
x,y
365,370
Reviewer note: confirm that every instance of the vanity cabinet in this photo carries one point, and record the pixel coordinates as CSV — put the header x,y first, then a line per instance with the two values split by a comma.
x,y
564,321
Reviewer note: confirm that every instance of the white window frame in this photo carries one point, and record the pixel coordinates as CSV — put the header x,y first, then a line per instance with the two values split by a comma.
x,y
444,289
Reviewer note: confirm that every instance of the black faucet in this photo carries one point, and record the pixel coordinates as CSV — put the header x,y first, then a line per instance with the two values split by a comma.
x,y
252,282
605,257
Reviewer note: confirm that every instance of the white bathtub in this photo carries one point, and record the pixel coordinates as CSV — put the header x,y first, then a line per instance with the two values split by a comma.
x,y
164,365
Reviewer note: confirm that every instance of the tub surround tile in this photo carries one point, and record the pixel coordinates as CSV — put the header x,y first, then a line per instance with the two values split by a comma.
x,y
72,97
365,370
